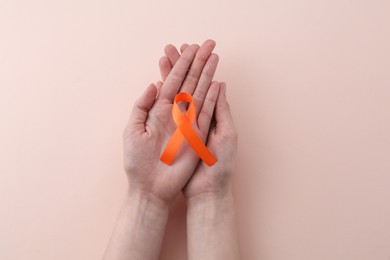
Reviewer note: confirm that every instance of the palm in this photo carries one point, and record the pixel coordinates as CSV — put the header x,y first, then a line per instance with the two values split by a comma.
x,y
209,179
162,179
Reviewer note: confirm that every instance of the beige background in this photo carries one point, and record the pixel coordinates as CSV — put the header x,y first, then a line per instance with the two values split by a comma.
x,y
309,86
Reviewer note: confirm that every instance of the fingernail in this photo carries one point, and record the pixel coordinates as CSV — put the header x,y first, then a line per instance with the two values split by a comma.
x,y
210,41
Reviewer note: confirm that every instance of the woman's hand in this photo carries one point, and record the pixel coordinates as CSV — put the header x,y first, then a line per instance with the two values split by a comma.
x,y
151,125
214,181
211,225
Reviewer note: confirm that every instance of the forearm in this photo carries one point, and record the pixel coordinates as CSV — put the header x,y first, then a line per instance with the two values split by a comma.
x,y
139,230
211,228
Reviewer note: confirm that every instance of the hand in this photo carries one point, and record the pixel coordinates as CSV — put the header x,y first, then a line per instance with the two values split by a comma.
x,y
151,125
211,226
222,141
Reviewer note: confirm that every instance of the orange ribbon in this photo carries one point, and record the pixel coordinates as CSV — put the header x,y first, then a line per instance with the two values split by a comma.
x,y
183,131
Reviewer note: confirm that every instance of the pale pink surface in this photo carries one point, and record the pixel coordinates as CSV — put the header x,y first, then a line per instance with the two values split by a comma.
x,y
309,86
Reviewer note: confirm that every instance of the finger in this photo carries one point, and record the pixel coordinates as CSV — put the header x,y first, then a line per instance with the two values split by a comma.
x,y
207,111
205,81
183,47
175,78
142,106
172,54
158,87
201,57
165,67
223,116
167,62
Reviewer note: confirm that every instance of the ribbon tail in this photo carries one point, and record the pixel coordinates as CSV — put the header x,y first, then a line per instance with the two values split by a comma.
x,y
196,143
172,147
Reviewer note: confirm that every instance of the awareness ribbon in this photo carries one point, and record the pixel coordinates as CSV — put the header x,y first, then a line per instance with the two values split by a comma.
x,y
185,130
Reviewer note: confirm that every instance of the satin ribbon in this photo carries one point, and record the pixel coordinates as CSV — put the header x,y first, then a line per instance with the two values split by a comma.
x,y
185,130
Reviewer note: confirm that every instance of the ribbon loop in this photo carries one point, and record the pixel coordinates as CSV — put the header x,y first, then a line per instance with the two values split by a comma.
x,y
185,130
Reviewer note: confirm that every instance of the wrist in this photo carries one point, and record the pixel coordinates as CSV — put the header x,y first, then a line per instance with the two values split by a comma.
x,y
140,227
211,227
208,193
146,200
210,197
207,208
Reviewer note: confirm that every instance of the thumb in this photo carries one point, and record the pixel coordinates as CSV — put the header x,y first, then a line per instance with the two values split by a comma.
x,y
141,108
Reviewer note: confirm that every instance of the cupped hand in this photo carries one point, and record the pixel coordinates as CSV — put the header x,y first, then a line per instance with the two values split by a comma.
x,y
151,125
222,142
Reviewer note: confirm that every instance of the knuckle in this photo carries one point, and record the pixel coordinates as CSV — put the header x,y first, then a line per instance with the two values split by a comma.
x,y
186,58
192,76
223,106
176,76
204,114
199,94
202,57
207,73
231,134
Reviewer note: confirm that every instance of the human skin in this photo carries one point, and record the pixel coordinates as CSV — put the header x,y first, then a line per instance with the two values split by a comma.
x,y
211,226
153,185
